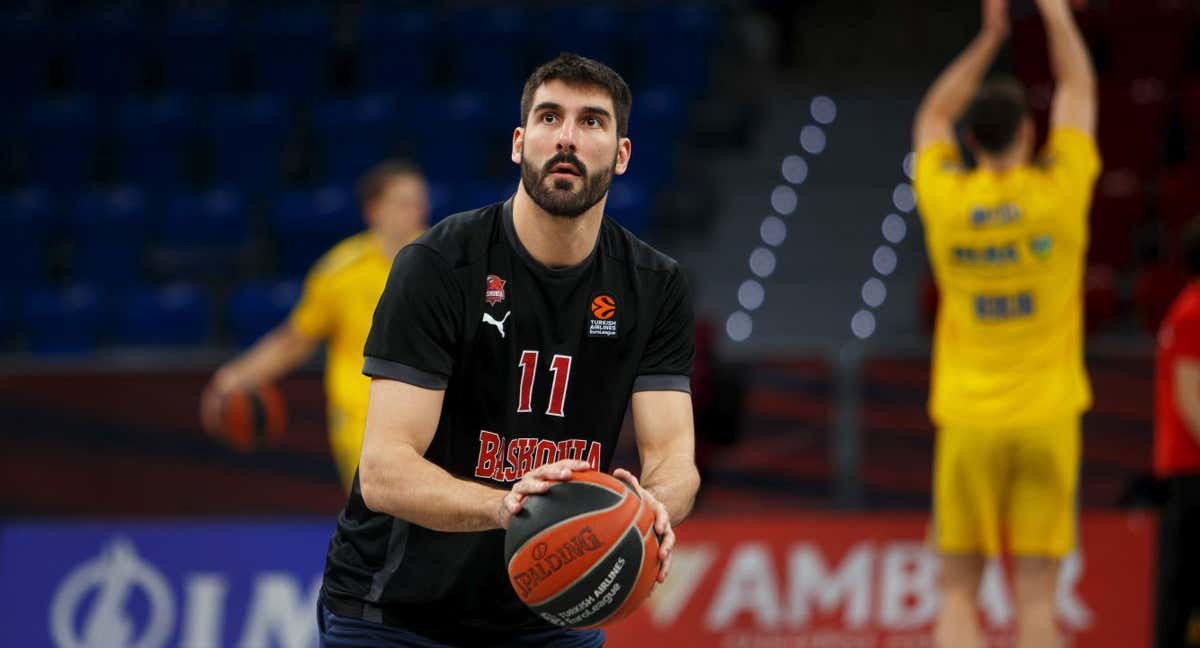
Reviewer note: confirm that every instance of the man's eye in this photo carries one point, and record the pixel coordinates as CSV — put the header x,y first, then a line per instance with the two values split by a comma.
x,y
549,118
593,122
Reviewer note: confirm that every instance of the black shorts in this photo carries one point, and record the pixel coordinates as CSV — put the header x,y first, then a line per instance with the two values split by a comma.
x,y
1178,595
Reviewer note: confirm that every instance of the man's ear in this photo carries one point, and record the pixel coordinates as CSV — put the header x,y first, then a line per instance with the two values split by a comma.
x,y
518,144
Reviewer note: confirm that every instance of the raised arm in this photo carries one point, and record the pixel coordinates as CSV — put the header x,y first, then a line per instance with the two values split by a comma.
x,y
1074,102
947,99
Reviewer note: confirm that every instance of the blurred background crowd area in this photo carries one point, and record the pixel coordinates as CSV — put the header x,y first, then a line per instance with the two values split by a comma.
x,y
170,170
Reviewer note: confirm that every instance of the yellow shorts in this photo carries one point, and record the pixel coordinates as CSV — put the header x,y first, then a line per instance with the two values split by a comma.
x,y
1014,487
345,441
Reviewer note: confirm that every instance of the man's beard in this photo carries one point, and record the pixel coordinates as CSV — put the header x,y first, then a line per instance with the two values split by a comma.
x,y
559,199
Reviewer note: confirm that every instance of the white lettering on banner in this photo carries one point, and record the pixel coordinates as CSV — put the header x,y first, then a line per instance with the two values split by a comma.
x,y
114,575
749,586
905,574
204,613
909,595
278,610
994,601
851,583
689,566
1073,611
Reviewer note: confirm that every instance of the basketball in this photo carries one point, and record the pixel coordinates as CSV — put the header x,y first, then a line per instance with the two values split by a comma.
x,y
584,553
254,419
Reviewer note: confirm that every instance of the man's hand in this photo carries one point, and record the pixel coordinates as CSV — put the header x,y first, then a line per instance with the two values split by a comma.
x,y
538,480
995,17
662,521
224,382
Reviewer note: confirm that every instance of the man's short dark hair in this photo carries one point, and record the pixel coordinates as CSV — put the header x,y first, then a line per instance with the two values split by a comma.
x,y
995,114
374,182
1190,250
576,70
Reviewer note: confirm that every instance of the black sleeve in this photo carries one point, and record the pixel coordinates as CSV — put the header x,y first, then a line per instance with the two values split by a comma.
x,y
414,335
667,363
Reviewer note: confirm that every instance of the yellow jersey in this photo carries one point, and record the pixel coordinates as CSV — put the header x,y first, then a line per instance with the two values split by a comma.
x,y
1008,253
337,305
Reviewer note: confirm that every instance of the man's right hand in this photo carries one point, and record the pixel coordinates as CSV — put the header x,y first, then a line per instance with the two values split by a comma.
x,y
224,382
538,480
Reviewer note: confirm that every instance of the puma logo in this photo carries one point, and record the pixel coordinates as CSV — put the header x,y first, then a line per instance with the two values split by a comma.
x,y
488,319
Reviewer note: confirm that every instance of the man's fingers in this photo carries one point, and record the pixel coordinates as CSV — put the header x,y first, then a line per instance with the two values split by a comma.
x,y
664,569
531,486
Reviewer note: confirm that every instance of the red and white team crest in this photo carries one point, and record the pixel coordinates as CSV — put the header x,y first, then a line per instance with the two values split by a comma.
x,y
494,293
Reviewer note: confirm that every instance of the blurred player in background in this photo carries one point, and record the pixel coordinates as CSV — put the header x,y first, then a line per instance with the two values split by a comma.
x,y
1007,241
340,294
1177,458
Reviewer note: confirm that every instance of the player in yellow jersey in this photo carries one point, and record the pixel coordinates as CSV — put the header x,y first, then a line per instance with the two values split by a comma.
x,y
336,307
1007,240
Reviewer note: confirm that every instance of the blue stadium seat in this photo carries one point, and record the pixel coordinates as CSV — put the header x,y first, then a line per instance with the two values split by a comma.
x,y
175,315
61,141
203,235
290,51
657,121
108,231
247,136
154,140
107,50
29,225
630,205
25,52
593,30
305,224
487,50
672,45
396,51
257,307
457,150
355,133
70,321
198,52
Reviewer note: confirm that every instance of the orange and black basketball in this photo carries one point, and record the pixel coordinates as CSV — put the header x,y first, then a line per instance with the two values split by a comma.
x,y
254,419
604,307
584,553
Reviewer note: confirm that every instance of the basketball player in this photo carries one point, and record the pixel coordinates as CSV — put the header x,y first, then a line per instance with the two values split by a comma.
x,y
1177,458
1007,242
339,297
505,350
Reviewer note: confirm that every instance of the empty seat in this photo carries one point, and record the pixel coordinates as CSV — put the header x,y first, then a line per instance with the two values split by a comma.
x,y
175,315
155,140
290,51
1179,198
1156,287
1132,124
354,134
487,52
29,224
108,232
256,307
25,51
305,224
672,46
592,30
396,50
70,321
1101,305
1117,206
458,151
247,136
198,52
203,235
61,139
107,51
630,205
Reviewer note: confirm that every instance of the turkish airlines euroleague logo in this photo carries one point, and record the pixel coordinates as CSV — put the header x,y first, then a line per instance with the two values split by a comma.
x,y
603,322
